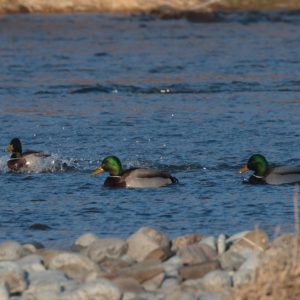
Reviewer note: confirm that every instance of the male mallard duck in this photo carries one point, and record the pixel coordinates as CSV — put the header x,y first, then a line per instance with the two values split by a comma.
x,y
263,173
133,177
19,159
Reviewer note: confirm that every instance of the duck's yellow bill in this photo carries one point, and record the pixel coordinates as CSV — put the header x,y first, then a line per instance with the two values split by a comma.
x,y
9,148
98,171
243,169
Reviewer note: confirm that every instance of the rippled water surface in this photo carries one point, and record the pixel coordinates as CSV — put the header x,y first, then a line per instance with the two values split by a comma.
x,y
193,98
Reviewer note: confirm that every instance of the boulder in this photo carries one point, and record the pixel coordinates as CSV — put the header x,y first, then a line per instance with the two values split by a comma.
x,y
31,263
100,289
198,270
197,253
145,241
75,266
13,276
110,248
184,241
10,250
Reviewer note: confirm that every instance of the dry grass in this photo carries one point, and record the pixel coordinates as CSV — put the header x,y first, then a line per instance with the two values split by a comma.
x,y
278,277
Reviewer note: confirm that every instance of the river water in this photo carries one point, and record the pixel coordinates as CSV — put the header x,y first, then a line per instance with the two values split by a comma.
x,y
196,99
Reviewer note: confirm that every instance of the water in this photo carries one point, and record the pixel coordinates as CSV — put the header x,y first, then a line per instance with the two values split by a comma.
x,y
193,98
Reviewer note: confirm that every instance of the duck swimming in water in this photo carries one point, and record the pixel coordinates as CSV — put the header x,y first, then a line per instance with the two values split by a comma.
x,y
22,160
133,177
264,174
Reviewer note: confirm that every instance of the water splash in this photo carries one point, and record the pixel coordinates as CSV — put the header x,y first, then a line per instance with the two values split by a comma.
x,y
49,164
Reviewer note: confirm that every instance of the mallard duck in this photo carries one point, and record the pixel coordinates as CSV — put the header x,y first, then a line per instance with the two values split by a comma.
x,y
133,177
22,160
264,174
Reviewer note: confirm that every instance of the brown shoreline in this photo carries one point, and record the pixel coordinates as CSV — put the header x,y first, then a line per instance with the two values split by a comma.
x,y
174,8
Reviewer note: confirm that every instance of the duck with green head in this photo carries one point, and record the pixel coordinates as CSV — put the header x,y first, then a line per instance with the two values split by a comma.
x,y
133,177
22,160
265,174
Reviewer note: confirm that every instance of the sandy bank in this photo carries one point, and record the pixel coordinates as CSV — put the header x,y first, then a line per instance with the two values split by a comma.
x,y
158,7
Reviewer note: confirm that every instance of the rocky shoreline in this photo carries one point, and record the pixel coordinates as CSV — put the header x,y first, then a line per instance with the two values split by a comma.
x,y
161,8
147,265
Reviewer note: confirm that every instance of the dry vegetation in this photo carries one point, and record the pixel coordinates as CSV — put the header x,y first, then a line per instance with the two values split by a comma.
x,y
278,277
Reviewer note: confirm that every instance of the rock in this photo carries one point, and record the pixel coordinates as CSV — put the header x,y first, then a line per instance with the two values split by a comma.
x,y
100,289
13,276
110,248
196,253
112,266
231,260
141,271
246,270
76,266
184,241
160,254
179,294
210,296
216,280
128,285
256,240
172,266
4,294
170,282
154,283
209,241
221,244
47,281
144,241
198,270
83,242
31,263
48,254
44,295
10,250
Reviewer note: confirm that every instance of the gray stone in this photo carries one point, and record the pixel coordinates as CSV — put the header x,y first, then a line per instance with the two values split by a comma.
x,y
172,266
251,263
246,270
209,296
144,241
31,263
154,283
197,253
141,271
46,281
75,266
110,248
242,277
210,241
184,241
85,240
217,280
170,282
198,270
10,250
13,276
100,289
128,285
4,294
221,244
231,260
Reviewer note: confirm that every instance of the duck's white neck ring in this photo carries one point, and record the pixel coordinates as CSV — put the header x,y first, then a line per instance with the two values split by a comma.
x,y
256,176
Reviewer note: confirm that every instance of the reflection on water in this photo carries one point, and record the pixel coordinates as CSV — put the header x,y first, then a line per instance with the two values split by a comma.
x,y
196,99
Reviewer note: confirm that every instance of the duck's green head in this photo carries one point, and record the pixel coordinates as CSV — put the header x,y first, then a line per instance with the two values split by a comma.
x,y
109,164
15,147
256,163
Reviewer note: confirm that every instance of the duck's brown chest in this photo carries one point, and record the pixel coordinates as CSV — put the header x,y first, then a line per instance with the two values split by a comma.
x,y
16,164
114,181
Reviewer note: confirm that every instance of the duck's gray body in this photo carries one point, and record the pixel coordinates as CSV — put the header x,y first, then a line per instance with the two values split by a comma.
x,y
140,178
283,175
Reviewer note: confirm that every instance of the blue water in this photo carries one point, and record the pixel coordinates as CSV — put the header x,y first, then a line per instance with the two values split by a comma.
x,y
196,99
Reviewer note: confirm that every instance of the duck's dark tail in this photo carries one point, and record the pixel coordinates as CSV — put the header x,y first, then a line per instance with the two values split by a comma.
x,y
174,179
